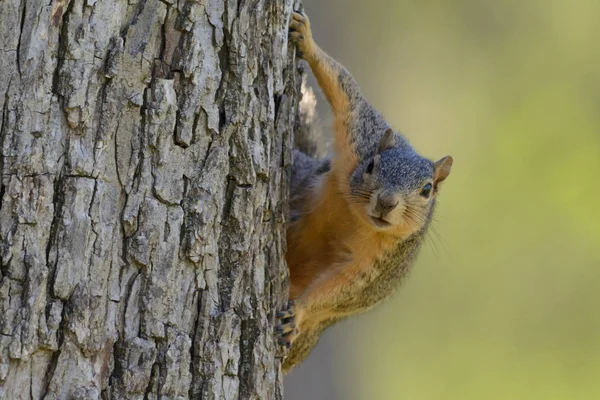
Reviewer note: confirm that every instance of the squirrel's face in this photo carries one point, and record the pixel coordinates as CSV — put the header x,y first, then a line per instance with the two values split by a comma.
x,y
397,187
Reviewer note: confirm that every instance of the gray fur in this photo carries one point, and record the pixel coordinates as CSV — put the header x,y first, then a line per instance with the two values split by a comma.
x,y
399,170
305,173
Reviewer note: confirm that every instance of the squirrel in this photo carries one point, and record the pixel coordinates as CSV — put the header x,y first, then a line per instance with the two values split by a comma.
x,y
358,218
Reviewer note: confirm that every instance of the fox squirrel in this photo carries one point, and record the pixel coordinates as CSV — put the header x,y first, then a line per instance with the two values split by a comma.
x,y
357,219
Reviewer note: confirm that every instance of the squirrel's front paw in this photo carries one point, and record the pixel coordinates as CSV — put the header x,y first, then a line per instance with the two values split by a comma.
x,y
300,34
287,327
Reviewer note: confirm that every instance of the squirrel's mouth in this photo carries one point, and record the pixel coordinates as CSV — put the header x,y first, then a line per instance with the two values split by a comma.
x,y
379,222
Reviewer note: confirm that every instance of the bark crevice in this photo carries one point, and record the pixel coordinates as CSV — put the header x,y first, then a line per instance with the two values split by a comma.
x,y
21,27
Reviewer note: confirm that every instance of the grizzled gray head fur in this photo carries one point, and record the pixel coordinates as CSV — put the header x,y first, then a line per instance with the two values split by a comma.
x,y
401,169
396,185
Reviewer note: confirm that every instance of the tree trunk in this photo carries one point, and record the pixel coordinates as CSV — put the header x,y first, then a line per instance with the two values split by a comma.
x,y
145,151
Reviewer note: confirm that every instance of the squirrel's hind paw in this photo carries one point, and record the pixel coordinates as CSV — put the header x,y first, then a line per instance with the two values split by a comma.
x,y
286,327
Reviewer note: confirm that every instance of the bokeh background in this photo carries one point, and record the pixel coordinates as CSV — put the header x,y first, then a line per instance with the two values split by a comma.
x,y
504,301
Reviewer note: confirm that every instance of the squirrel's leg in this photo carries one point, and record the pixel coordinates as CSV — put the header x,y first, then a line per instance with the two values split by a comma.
x,y
358,124
318,300
337,84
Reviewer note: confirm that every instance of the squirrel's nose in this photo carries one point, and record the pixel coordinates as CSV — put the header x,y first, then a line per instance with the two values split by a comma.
x,y
385,204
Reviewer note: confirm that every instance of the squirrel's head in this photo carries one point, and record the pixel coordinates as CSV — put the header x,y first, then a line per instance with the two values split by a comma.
x,y
395,189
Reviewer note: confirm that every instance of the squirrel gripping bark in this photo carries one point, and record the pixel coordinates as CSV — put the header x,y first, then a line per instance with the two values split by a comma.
x,y
358,218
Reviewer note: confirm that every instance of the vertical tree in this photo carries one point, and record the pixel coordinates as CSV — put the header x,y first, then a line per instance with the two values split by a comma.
x,y
145,147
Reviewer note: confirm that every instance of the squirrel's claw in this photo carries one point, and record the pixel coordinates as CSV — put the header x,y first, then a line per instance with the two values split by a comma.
x,y
298,16
286,314
285,328
287,340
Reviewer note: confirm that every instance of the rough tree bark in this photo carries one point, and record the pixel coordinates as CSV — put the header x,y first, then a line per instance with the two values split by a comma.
x,y
145,151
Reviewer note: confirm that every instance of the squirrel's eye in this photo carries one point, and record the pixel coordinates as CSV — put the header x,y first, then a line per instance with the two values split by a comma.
x,y
370,167
426,190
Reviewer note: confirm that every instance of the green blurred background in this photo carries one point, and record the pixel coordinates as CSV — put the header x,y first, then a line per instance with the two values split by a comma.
x,y
504,302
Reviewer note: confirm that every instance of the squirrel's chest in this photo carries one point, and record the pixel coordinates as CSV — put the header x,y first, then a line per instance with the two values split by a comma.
x,y
381,279
369,291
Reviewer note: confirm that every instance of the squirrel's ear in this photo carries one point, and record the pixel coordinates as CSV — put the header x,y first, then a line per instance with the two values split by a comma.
x,y
387,141
441,169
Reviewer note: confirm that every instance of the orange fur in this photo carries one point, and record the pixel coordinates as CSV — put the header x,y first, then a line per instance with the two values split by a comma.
x,y
327,74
